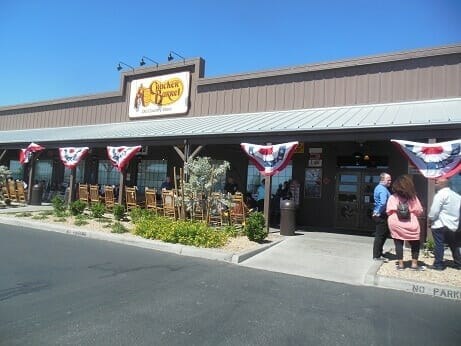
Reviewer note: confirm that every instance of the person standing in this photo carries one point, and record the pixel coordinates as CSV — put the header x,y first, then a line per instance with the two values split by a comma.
x,y
261,194
403,209
381,195
444,219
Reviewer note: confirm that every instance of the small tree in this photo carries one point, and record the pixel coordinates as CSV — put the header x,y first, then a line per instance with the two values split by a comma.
x,y
203,175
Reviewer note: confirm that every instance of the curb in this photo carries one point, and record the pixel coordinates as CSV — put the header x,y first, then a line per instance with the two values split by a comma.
x,y
133,240
416,287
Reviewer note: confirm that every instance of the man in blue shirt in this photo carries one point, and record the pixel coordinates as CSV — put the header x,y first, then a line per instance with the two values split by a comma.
x,y
381,194
261,194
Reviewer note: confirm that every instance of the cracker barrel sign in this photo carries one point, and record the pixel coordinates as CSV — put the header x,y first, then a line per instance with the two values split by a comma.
x,y
167,94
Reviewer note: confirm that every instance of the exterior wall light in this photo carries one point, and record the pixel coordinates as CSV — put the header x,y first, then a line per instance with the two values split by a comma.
x,y
171,57
120,67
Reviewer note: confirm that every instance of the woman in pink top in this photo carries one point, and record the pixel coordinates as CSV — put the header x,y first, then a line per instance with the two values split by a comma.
x,y
405,228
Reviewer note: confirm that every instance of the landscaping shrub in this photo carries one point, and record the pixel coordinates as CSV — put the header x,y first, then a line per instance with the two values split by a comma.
x,y
137,214
119,212
254,227
97,210
59,206
184,232
117,227
80,220
77,207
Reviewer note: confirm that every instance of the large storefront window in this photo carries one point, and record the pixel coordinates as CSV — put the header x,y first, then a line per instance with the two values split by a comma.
x,y
151,173
44,171
107,173
16,169
254,178
79,174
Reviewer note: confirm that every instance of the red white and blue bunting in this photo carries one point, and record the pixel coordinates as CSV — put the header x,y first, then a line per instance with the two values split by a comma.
x,y
121,156
26,154
71,157
433,160
270,159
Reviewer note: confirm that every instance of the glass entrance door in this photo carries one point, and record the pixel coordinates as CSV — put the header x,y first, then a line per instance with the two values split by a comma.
x,y
354,199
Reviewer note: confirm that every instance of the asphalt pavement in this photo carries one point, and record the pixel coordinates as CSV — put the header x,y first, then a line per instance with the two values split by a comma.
x,y
336,257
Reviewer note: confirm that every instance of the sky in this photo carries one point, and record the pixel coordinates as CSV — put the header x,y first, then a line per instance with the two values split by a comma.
x,y
52,49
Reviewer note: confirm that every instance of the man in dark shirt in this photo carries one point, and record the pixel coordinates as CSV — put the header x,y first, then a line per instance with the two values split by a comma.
x,y
166,184
231,187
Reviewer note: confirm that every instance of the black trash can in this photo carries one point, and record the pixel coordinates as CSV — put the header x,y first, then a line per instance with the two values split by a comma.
x,y
36,195
287,217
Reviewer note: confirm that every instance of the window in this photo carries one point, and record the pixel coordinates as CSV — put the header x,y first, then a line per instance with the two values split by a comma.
x,y
16,169
254,178
455,183
151,173
44,170
107,173
79,174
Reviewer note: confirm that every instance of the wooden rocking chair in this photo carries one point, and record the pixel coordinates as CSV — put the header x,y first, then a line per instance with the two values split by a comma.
x,y
12,191
109,198
5,193
198,208
21,194
94,194
169,208
237,210
151,201
131,199
83,194
215,210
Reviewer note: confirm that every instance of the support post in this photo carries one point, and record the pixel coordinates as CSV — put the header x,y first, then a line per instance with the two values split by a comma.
x,y
31,175
430,198
267,197
121,187
71,185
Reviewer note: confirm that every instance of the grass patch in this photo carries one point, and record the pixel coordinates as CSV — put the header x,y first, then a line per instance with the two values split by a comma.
x,y
104,220
46,213
40,217
24,214
117,227
81,222
60,219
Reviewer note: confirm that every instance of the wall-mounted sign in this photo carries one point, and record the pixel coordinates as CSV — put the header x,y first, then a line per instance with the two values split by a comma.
x,y
160,95
315,157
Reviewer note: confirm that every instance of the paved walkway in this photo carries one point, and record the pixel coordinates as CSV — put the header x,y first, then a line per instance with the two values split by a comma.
x,y
326,256
334,257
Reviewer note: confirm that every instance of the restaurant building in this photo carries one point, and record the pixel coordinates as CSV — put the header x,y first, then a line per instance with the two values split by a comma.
x,y
343,114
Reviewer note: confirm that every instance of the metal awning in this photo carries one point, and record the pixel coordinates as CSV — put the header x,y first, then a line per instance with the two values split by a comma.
x,y
419,117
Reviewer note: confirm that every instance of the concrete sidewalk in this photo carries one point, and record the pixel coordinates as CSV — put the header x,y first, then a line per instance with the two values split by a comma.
x,y
326,256
336,257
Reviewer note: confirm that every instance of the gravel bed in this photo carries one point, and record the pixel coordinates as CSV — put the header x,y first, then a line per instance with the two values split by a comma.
x,y
449,276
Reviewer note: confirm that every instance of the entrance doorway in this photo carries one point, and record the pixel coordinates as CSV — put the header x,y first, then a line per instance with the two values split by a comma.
x,y
354,199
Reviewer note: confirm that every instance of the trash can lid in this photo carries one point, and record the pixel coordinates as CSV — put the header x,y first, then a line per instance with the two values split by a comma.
x,y
287,204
